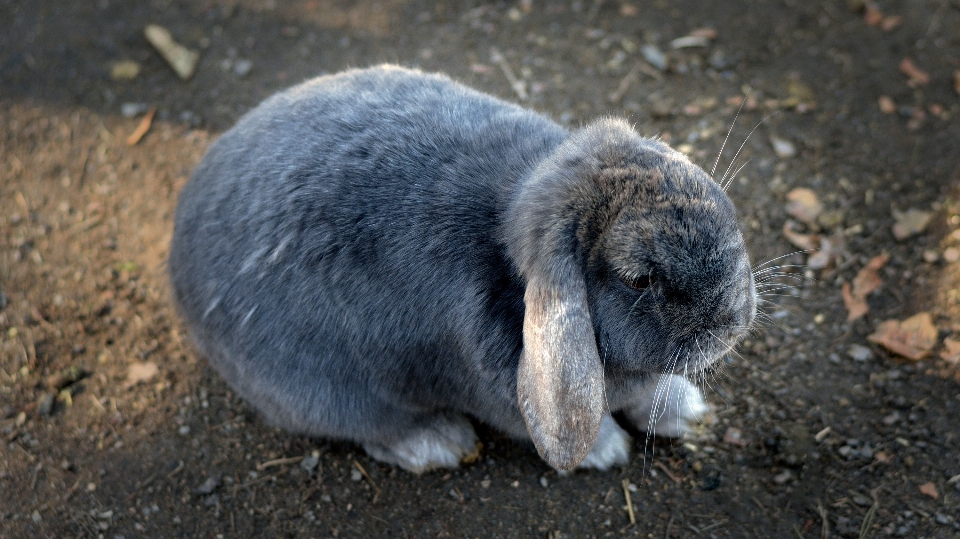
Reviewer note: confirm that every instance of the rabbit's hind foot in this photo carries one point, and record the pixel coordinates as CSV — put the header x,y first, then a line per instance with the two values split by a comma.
x,y
442,443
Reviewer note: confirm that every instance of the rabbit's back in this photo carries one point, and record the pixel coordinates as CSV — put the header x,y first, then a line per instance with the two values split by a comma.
x,y
331,247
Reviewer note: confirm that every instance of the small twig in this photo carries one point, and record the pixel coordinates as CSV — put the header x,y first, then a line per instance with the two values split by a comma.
x,y
71,490
35,476
796,530
666,471
278,462
669,525
624,85
825,527
716,524
372,483
142,128
626,494
176,470
139,488
258,481
868,520
83,167
518,86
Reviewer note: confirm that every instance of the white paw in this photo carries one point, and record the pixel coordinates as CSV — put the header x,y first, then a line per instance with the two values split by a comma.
x,y
442,444
669,406
611,449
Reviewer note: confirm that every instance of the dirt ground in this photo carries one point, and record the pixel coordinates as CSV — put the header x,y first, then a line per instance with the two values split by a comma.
x,y
112,426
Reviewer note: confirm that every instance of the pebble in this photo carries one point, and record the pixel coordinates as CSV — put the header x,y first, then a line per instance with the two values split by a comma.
x,y
859,352
45,408
355,475
184,430
654,56
783,148
208,486
242,67
951,254
310,462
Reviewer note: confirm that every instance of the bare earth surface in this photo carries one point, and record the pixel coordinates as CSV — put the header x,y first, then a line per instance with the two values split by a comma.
x,y
112,426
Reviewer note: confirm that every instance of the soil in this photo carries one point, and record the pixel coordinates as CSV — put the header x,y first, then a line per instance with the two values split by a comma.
x,y
112,426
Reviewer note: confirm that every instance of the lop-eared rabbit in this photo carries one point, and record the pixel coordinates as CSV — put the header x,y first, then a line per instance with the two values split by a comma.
x,y
377,255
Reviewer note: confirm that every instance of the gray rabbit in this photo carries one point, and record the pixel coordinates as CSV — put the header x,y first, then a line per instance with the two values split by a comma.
x,y
376,255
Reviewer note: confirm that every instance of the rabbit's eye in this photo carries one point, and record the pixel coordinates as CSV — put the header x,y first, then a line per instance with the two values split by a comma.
x,y
640,283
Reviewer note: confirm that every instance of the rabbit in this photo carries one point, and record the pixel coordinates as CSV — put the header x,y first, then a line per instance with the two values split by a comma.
x,y
380,254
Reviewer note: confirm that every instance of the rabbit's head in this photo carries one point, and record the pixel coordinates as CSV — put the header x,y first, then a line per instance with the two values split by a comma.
x,y
633,263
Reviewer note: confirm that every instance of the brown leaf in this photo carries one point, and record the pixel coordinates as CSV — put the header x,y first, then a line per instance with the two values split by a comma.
x,y
882,457
890,22
913,338
807,242
910,222
930,489
887,104
824,256
706,32
868,279
803,204
918,77
952,351
856,307
872,15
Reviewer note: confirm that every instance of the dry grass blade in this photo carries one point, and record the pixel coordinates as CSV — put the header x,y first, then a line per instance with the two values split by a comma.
x,y
278,462
626,494
369,479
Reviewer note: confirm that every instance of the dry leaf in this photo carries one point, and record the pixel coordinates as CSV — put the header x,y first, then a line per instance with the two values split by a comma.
x,y
918,77
706,32
142,128
803,204
887,105
910,222
952,351
872,15
124,70
141,372
807,242
824,256
181,59
868,279
913,338
856,307
930,490
890,22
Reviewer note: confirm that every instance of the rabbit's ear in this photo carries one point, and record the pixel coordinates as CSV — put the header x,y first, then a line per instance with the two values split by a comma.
x,y
560,377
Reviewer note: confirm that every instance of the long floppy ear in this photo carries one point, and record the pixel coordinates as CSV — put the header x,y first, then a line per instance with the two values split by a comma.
x,y
560,377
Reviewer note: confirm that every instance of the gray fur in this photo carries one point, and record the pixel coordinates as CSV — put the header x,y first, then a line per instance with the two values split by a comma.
x,y
373,255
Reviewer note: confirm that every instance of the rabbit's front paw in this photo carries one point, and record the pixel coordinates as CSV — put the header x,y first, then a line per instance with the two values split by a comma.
x,y
441,444
612,447
669,406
